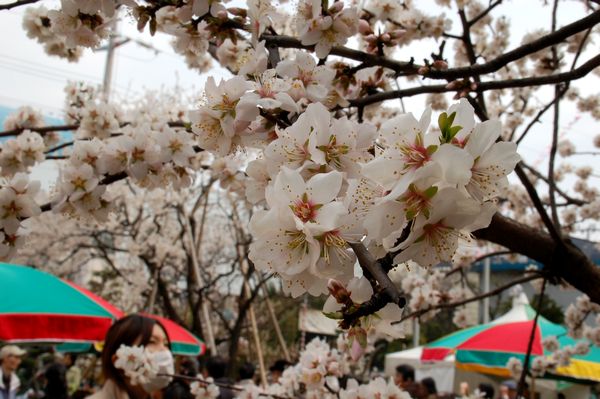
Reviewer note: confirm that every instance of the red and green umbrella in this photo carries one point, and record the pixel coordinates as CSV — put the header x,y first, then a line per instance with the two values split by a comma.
x,y
38,307
487,348
183,342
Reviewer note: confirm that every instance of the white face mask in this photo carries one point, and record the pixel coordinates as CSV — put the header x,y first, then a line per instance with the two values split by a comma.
x,y
163,364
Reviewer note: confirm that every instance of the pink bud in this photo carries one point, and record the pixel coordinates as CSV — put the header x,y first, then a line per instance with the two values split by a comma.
x,y
371,38
338,291
364,27
241,12
440,64
385,38
424,70
222,14
455,84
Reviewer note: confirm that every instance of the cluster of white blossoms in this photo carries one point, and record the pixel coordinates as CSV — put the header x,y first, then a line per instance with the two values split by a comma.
x,y
17,203
204,390
77,24
21,153
23,118
137,363
325,28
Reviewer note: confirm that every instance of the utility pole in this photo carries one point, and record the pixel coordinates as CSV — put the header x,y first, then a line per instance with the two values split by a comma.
x,y
110,56
486,288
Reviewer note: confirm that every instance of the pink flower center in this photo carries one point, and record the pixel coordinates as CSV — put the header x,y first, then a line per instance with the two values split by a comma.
x,y
305,209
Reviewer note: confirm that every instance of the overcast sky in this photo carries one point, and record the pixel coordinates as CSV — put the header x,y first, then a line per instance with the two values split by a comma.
x,y
29,77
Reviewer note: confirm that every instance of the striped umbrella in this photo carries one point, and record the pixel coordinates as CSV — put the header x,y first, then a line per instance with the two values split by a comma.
x,y
488,347
183,342
38,307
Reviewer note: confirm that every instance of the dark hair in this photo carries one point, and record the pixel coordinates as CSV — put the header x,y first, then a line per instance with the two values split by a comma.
x,y
188,367
407,372
246,371
56,382
177,390
131,330
429,384
487,390
216,367
279,365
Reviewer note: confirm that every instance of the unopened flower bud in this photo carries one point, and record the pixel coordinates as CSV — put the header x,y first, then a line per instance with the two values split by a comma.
x,y
364,27
222,14
455,84
336,7
371,38
440,65
240,12
424,70
385,38
338,291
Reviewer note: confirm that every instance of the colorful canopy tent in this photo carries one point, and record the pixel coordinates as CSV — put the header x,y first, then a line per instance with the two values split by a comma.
x,y
447,371
38,307
487,348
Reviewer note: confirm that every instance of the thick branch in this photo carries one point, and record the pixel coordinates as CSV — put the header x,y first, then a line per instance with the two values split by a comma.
x,y
17,4
564,261
366,58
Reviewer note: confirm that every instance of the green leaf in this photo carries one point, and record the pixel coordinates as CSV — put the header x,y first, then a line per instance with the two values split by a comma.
x,y
431,191
334,315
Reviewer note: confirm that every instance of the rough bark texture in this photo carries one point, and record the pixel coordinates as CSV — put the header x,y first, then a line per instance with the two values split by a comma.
x,y
566,262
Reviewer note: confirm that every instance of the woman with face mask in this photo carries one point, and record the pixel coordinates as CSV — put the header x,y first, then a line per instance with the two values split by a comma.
x,y
134,330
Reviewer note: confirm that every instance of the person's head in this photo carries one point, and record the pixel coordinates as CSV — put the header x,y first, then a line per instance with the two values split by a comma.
x,y
429,385
177,390
404,374
277,369
246,371
56,381
69,359
10,358
216,367
509,389
486,390
132,330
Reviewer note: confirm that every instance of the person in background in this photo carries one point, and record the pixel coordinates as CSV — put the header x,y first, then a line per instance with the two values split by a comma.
x,y
216,366
405,379
134,330
429,389
177,389
508,389
10,359
486,391
246,374
56,381
277,369
73,372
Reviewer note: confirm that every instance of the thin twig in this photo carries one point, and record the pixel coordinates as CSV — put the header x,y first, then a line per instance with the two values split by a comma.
x,y
17,4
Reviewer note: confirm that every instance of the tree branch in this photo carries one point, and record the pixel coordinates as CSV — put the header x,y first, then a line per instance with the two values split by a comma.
x,y
17,4
565,262
484,86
